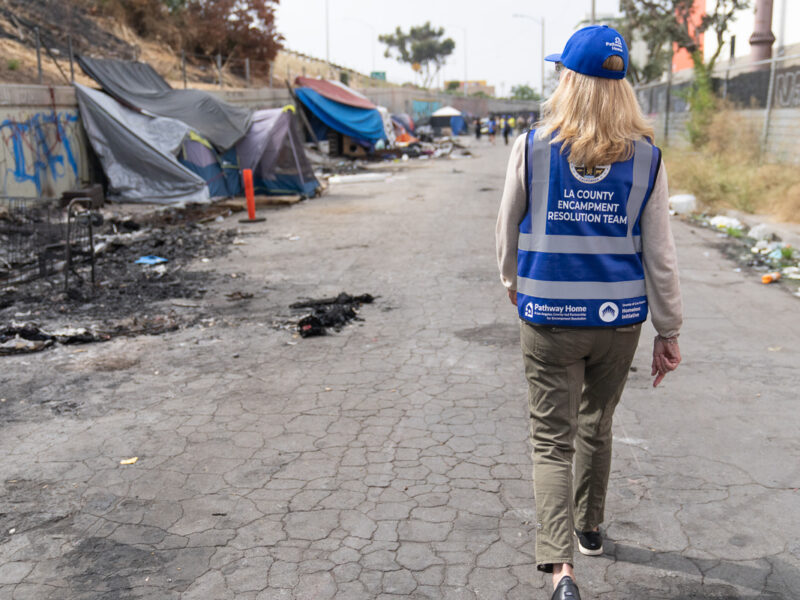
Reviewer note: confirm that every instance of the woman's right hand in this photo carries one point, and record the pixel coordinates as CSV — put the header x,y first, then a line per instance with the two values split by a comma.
x,y
666,357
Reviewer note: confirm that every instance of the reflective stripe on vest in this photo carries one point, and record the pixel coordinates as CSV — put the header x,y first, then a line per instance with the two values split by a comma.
x,y
579,250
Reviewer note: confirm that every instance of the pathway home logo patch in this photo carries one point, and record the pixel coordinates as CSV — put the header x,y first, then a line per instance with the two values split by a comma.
x,y
609,312
593,175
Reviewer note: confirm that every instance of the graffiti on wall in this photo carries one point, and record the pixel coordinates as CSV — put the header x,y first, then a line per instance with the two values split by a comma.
x,y
40,153
424,108
787,89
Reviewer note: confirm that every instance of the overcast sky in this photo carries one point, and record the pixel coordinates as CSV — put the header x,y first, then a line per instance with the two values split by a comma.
x,y
501,49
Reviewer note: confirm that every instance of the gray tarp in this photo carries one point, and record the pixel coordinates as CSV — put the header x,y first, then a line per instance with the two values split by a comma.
x,y
138,152
137,85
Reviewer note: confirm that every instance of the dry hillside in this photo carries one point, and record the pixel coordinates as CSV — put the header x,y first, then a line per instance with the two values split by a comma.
x,y
91,35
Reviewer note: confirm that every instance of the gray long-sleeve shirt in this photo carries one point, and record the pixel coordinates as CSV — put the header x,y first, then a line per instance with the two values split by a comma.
x,y
658,247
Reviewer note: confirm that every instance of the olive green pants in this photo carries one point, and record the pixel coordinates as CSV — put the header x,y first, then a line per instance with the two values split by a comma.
x,y
575,376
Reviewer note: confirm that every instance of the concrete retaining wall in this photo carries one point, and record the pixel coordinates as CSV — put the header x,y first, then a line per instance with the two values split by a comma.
x,y
783,131
44,148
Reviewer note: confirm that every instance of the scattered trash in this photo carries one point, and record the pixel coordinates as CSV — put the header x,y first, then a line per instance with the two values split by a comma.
x,y
329,313
723,222
359,178
761,232
185,303
129,461
293,238
775,255
770,277
791,272
683,204
239,295
150,260
21,338
775,348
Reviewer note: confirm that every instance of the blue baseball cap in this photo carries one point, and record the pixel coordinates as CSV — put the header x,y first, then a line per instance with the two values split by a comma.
x,y
589,47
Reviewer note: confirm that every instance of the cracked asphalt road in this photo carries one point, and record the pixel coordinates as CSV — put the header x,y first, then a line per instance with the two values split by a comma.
x,y
391,460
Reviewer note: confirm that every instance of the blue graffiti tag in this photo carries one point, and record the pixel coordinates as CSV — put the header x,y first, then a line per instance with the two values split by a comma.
x,y
46,158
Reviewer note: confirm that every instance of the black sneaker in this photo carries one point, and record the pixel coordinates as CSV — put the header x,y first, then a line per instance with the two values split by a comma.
x,y
590,543
566,590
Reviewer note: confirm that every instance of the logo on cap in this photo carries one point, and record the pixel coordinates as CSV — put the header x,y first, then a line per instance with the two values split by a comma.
x,y
616,45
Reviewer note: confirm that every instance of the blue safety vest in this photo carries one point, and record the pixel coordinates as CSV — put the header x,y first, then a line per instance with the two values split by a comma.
x,y
579,259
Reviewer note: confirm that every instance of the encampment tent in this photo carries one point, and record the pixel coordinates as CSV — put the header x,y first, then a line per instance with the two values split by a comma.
x,y
138,152
220,171
341,109
137,85
447,116
405,121
273,149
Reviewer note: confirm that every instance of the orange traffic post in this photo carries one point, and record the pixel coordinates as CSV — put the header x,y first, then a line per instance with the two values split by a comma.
x,y
247,176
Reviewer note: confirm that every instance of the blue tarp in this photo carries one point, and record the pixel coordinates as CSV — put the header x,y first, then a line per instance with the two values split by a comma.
x,y
457,124
363,124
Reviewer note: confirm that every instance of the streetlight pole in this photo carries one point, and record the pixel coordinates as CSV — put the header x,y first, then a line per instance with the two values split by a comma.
x,y
539,20
594,20
465,62
327,38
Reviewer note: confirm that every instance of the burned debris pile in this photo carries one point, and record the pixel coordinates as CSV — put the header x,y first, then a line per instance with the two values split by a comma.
x,y
329,313
124,298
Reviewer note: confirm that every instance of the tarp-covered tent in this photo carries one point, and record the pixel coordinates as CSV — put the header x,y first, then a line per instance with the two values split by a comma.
x,y
138,152
273,150
220,171
457,124
337,107
405,121
447,116
138,86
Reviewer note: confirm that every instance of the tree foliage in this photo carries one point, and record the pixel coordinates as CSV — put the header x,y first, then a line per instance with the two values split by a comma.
x,y
242,28
422,45
232,28
660,23
524,92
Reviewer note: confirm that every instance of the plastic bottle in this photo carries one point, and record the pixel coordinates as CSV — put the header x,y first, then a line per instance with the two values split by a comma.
x,y
770,277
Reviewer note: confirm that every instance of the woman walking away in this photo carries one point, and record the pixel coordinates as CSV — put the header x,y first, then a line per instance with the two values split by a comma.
x,y
478,129
583,262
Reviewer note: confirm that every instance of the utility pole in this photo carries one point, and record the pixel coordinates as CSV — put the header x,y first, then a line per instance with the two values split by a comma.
x,y
594,19
762,39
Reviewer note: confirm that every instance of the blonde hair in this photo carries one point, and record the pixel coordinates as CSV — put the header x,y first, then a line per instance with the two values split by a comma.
x,y
596,118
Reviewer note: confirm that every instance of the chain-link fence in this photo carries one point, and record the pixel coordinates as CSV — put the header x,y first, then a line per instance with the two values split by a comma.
x,y
766,93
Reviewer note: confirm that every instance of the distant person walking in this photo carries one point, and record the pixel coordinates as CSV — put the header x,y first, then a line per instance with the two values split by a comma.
x,y
478,129
492,129
506,129
583,263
